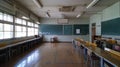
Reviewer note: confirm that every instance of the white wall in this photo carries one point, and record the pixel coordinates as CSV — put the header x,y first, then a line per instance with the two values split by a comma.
x,y
107,14
70,21
65,38
95,19
111,12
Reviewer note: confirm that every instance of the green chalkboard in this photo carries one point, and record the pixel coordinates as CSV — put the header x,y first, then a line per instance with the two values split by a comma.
x,y
48,29
111,27
67,29
81,29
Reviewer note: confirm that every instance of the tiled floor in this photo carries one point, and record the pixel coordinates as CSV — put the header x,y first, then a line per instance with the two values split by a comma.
x,y
49,55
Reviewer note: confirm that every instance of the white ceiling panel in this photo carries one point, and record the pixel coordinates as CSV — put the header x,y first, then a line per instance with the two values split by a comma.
x,y
64,2
53,6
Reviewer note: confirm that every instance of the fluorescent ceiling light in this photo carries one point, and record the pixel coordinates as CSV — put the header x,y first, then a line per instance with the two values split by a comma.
x,y
37,22
38,3
92,3
78,15
25,18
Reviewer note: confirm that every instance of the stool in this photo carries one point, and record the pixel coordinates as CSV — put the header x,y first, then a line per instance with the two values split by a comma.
x,y
53,40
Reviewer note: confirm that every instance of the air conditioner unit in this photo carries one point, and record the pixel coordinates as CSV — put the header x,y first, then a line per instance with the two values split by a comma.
x,y
62,21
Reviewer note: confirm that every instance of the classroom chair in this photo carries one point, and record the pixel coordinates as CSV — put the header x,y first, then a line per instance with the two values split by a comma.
x,y
91,57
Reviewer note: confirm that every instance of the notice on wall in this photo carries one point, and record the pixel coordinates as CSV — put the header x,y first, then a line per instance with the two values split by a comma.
x,y
77,31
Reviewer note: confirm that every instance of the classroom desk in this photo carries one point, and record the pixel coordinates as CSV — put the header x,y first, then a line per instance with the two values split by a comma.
x,y
104,56
7,50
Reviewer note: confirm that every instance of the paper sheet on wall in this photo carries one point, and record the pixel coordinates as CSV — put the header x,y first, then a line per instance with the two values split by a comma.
x,y
77,31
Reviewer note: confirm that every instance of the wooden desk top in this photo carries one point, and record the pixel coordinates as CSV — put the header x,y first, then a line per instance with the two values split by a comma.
x,y
4,47
108,56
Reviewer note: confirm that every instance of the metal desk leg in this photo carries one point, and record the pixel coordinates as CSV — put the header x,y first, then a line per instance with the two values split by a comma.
x,y
101,62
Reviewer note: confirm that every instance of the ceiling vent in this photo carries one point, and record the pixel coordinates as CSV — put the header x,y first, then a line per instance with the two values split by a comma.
x,y
67,9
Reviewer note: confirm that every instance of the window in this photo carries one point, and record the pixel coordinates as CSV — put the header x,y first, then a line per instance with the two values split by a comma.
x,y
8,31
8,35
30,24
1,35
30,31
1,16
24,31
20,31
8,27
36,31
7,17
36,25
18,21
1,31
1,27
10,18
24,22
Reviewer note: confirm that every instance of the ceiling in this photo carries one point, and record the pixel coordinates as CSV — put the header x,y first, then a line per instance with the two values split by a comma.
x,y
71,7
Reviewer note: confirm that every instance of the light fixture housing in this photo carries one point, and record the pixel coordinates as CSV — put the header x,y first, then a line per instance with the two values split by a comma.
x,y
92,3
24,17
47,14
38,3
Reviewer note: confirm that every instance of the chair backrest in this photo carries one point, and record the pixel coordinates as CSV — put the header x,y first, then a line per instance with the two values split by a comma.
x,y
116,47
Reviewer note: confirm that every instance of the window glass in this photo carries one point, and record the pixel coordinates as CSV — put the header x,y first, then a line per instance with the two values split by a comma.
x,y
29,29
20,31
24,22
8,35
18,28
36,31
5,17
18,34
23,34
32,31
1,27
10,18
19,21
1,35
24,29
8,27
29,23
32,24
29,32
1,16
36,25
